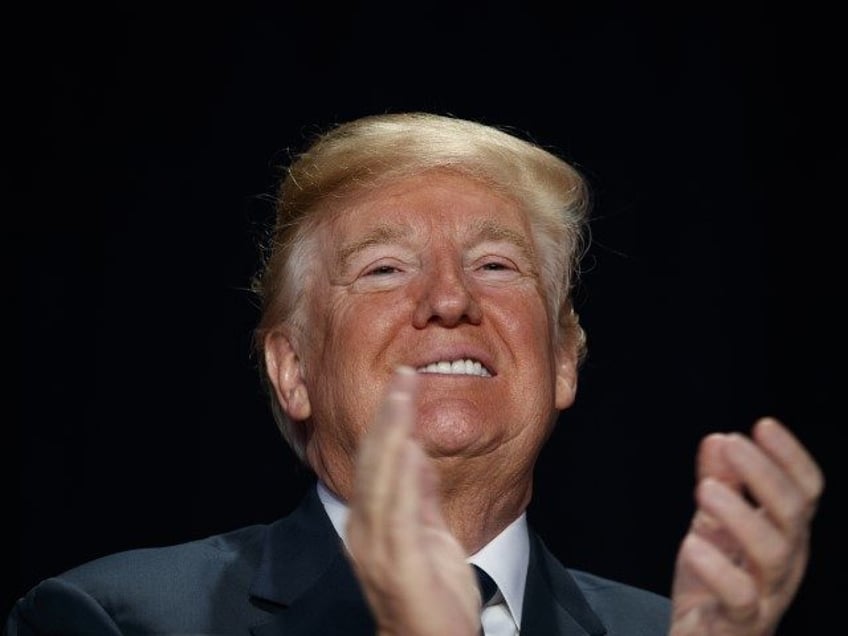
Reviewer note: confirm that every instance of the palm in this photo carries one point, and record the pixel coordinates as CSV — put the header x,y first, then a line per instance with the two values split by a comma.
x,y
402,550
743,559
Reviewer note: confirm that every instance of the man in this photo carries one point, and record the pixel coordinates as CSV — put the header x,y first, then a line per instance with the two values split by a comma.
x,y
419,341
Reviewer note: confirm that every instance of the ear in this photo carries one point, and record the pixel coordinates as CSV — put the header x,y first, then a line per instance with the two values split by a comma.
x,y
566,374
283,367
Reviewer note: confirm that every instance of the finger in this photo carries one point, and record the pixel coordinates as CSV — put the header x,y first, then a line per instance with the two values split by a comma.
x,y
734,588
757,542
711,461
379,454
711,528
788,452
431,497
392,424
768,483
404,518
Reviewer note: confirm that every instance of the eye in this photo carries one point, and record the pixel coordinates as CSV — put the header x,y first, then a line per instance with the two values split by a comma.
x,y
496,265
382,270
496,268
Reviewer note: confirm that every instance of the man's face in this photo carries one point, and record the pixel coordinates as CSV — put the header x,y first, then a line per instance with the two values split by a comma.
x,y
439,273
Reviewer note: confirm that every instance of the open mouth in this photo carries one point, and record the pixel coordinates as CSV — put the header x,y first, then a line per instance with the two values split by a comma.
x,y
464,366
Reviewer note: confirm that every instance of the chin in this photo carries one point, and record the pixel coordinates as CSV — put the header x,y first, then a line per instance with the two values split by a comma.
x,y
448,432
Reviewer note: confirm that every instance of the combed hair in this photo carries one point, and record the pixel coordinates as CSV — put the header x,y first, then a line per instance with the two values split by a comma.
x,y
377,149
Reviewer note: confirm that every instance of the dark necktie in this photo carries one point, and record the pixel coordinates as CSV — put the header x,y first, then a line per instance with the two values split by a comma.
x,y
488,587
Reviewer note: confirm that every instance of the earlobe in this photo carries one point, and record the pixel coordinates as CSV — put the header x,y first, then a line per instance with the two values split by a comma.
x,y
566,377
284,372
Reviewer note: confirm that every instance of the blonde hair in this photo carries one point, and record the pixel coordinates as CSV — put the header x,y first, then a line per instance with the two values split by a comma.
x,y
372,150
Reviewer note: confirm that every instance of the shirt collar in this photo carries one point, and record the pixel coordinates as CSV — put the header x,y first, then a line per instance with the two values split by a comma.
x,y
505,558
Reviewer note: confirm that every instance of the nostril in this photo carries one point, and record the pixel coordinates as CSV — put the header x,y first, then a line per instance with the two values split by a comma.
x,y
447,301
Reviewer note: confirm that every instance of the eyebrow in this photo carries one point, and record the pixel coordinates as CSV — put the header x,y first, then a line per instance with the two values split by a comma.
x,y
380,235
383,234
489,230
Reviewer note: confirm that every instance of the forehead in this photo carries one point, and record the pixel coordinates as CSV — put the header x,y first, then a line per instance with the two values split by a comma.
x,y
459,205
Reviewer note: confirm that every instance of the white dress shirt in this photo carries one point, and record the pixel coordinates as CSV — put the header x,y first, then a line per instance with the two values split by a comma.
x,y
504,558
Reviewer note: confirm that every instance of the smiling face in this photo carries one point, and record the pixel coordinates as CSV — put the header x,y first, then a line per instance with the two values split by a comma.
x,y
439,273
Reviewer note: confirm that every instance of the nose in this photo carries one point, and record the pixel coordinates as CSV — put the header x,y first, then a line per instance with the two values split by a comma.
x,y
445,299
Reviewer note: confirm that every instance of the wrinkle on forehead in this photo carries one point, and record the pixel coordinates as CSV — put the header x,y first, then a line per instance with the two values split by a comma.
x,y
468,232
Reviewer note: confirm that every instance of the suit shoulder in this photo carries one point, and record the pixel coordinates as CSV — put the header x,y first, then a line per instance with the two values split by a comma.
x,y
169,588
598,585
600,603
236,549
619,603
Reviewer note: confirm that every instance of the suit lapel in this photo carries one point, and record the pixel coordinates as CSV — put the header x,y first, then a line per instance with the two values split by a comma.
x,y
553,603
333,607
305,580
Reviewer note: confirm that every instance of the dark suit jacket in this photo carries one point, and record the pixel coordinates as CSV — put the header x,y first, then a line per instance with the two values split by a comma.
x,y
292,578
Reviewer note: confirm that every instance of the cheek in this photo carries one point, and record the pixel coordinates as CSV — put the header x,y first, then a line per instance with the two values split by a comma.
x,y
525,321
528,332
353,358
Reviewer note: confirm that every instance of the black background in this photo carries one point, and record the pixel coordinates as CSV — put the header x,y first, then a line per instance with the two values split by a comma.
x,y
142,142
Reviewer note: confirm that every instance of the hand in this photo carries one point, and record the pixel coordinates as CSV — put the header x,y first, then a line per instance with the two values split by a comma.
x,y
743,559
412,570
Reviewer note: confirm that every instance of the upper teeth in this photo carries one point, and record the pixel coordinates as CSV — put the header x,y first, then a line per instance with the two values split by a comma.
x,y
457,367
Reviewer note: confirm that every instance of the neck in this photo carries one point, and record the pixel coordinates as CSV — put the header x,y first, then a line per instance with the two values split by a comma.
x,y
478,499
478,506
